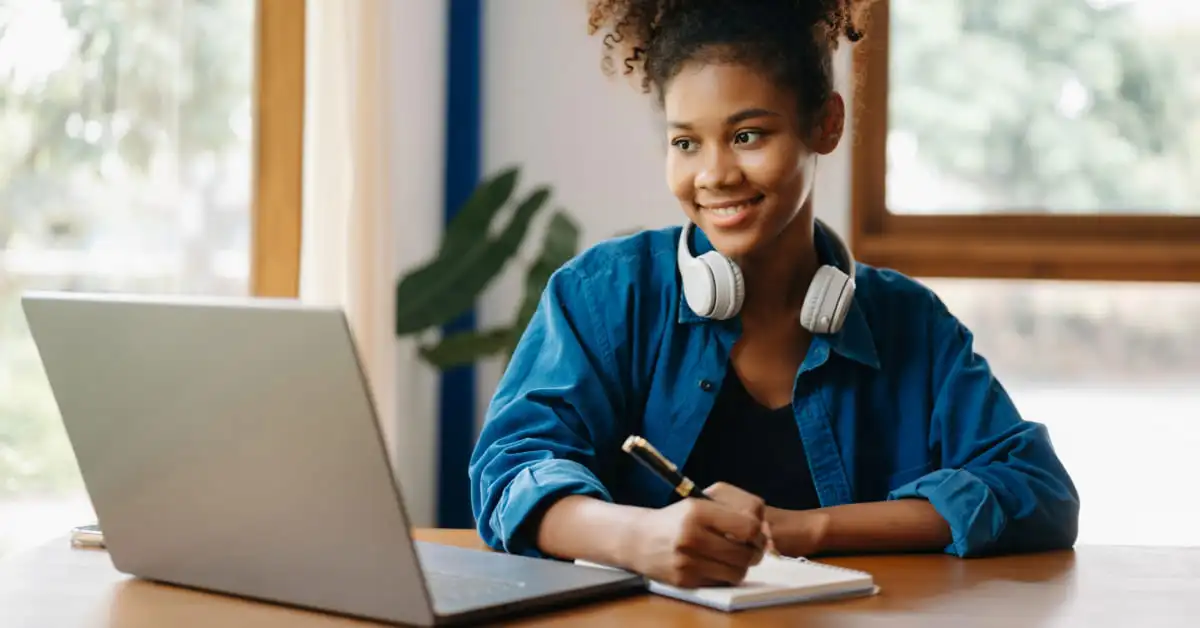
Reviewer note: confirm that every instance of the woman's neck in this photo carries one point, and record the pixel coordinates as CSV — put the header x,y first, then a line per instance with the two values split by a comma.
x,y
778,277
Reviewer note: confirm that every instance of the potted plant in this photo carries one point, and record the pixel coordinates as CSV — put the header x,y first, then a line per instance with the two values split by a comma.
x,y
472,253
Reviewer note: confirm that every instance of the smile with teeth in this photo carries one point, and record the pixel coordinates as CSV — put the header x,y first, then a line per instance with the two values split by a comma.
x,y
726,211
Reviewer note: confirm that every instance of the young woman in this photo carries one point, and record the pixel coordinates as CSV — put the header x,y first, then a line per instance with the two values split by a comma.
x,y
823,413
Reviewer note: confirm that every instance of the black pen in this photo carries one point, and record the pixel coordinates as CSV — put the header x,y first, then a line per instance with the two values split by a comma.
x,y
645,453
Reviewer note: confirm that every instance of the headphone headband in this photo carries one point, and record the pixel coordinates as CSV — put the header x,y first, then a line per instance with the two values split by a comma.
x,y
713,285
841,253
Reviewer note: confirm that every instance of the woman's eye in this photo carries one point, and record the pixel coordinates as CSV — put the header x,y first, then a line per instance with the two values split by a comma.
x,y
684,144
746,137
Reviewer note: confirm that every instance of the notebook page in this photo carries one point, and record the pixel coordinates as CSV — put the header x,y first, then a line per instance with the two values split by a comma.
x,y
776,580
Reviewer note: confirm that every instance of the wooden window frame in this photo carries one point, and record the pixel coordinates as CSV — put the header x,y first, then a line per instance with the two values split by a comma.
x,y
1010,245
276,209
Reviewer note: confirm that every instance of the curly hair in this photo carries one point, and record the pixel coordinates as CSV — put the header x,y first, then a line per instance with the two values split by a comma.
x,y
791,40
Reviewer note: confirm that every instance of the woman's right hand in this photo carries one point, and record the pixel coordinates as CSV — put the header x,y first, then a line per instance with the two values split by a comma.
x,y
697,542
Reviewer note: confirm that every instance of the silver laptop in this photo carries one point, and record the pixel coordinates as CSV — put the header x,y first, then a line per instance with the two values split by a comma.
x,y
232,446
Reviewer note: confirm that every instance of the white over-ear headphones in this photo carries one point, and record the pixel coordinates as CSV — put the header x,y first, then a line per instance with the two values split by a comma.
x,y
713,286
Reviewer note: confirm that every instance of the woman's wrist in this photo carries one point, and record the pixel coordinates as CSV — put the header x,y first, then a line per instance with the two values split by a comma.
x,y
798,532
578,527
626,550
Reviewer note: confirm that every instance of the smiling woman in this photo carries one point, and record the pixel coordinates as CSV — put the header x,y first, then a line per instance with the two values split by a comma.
x,y
812,431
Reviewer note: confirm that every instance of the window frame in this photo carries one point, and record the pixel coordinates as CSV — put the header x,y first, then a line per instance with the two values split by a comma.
x,y
1098,247
276,206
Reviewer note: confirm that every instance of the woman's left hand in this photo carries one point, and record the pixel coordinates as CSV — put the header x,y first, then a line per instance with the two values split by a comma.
x,y
739,499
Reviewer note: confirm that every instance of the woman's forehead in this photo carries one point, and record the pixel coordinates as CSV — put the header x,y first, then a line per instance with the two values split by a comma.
x,y
711,92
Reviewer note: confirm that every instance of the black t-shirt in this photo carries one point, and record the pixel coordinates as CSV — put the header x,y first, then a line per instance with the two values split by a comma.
x,y
753,447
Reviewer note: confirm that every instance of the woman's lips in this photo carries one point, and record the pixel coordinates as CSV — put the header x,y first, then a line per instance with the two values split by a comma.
x,y
728,214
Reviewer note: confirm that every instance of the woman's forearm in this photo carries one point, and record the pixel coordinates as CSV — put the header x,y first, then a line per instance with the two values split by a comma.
x,y
907,525
579,527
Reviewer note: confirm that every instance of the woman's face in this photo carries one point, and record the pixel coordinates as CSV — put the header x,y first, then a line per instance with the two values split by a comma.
x,y
737,158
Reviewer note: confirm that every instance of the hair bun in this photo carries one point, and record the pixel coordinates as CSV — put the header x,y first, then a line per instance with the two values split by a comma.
x,y
793,39
842,18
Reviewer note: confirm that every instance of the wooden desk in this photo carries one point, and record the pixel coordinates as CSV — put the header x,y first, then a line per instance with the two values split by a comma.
x,y
56,586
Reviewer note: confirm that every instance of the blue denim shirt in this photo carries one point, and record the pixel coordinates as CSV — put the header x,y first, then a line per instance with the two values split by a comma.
x,y
895,405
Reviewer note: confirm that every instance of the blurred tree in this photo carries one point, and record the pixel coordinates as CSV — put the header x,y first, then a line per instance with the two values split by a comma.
x,y
1070,105
96,95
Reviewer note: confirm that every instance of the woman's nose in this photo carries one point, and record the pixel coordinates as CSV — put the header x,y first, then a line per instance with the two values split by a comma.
x,y
719,170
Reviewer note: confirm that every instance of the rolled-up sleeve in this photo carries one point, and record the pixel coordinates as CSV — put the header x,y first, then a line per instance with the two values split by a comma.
x,y
555,407
1001,486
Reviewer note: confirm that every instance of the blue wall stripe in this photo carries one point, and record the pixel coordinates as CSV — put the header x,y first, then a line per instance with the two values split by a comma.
x,y
462,174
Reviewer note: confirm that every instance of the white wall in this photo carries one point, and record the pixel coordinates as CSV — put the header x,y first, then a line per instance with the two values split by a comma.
x,y
416,36
594,139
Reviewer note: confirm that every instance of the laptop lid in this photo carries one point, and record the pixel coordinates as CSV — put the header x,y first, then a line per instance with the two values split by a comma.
x,y
231,445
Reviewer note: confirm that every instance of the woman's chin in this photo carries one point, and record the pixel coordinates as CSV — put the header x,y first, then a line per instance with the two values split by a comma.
x,y
735,246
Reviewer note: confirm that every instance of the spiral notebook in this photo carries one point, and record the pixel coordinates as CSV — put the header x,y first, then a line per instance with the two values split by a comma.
x,y
774,581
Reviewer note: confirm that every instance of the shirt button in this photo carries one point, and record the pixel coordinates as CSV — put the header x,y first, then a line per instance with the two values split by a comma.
x,y
706,385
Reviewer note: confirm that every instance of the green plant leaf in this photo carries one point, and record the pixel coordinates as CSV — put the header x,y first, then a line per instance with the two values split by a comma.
x,y
559,245
466,347
445,287
477,213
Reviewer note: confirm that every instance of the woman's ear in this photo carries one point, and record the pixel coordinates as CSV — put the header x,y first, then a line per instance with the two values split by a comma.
x,y
830,124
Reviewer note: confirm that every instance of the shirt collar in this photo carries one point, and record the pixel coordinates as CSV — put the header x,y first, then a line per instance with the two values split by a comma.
x,y
854,341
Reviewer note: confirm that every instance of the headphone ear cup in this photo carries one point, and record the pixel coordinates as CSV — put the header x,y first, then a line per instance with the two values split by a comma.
x,y
728,285
699,289
827,301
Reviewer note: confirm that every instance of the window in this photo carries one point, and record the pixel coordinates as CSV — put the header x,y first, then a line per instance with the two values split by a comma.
x,y
149,147
1030,138
1111,369
1037,163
